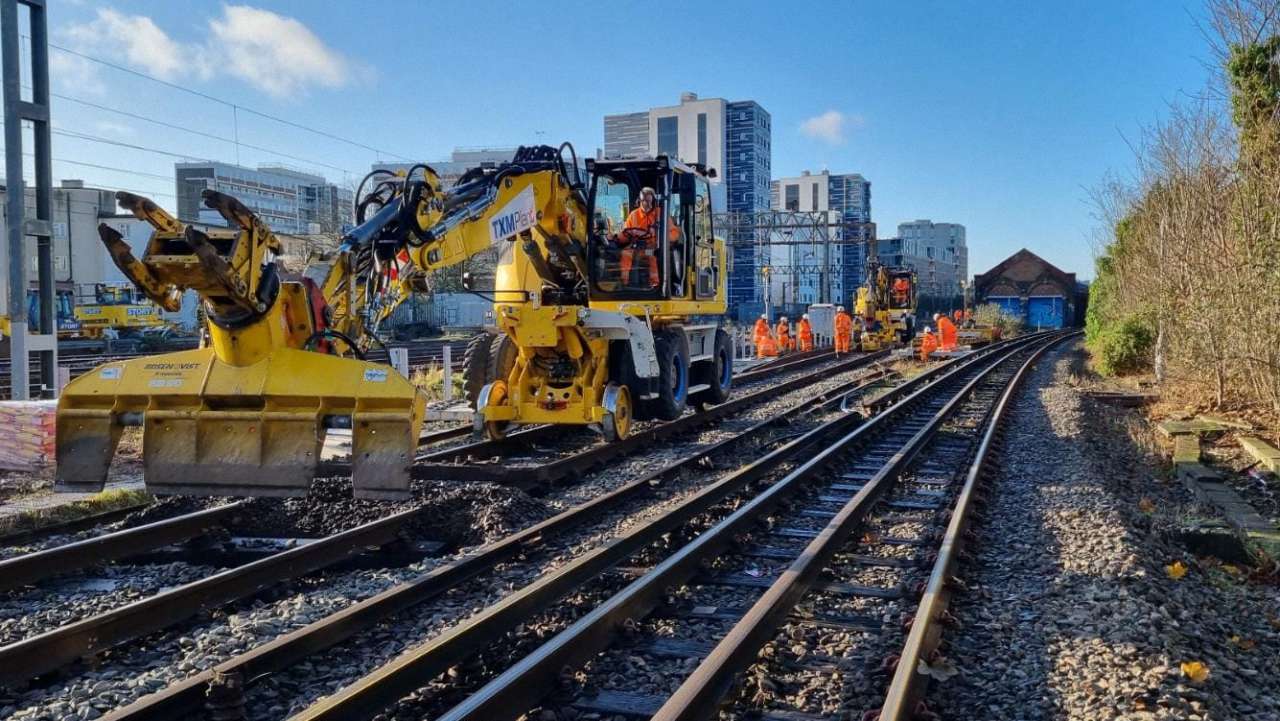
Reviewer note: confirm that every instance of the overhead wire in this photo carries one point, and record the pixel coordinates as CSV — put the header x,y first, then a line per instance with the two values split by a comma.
x,y
236,106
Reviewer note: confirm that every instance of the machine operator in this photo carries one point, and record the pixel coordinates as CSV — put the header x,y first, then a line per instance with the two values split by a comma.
x,y
643,247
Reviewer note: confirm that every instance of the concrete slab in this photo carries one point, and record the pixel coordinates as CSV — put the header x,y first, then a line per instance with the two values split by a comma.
x,y
1172,428
1267,455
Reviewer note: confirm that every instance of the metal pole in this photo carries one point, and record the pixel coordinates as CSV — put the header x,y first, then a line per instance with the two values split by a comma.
x,y
19,379
44,194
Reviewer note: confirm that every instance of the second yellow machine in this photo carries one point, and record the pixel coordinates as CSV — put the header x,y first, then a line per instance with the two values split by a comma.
x,y
607,296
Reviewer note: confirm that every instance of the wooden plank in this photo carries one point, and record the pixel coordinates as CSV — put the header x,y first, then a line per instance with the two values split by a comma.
x,y
1267,455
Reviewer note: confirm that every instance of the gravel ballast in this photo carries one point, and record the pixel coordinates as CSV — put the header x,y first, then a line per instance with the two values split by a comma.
x,y
1070,612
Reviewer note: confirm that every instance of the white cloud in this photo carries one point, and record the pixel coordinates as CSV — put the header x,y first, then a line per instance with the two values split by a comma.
x,y
273,53
830,126
135,38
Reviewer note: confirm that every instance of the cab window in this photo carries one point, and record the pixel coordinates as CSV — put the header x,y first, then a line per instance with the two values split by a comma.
x,y
706,264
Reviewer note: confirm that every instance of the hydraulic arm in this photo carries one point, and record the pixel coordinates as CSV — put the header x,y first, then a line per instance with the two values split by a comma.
x,y
248,413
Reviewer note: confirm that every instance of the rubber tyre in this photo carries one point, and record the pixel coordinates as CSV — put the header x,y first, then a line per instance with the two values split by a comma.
x,y
502,357
673,375
475,365
717,373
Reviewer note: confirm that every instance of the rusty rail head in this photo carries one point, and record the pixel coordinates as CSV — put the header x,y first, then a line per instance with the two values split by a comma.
x,y
32,567
31,657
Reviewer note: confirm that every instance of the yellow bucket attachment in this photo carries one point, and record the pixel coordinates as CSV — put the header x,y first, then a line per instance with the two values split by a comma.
x,y
211,428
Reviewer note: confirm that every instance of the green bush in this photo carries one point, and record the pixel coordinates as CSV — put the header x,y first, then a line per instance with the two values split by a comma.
x,y
1123,348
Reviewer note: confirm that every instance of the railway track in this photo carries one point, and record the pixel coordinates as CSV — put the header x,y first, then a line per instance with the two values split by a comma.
x,y
859,498
58,647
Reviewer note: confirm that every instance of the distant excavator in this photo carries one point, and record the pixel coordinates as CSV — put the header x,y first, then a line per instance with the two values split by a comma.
x,y
585,337
886,307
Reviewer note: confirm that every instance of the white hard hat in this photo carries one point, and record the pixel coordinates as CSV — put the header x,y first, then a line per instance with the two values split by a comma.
x,y
782,318
927,329
764,316
937,316
805,316
839,307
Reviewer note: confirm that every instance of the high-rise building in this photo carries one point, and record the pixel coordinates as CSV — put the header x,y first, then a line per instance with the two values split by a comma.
x,y
734,138
936,251
846,198
289,201
626,135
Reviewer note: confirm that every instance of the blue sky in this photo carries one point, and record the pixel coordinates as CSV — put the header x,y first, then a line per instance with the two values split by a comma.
x,y
998,115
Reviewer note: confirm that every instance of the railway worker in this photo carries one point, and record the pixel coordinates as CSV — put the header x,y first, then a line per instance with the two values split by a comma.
x,y
901,292
958,317
946,332
844,330
805,333
928,344
762,339
785,343
643,247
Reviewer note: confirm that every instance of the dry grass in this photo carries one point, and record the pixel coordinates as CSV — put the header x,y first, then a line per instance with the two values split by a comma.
x,y
103,502
430,380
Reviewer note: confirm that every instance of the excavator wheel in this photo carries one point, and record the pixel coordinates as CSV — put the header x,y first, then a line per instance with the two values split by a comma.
x,y
475,365
618,413
489,357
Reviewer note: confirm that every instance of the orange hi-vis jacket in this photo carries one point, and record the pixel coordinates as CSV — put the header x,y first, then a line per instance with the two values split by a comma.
x,y
947,332
928,344
805,332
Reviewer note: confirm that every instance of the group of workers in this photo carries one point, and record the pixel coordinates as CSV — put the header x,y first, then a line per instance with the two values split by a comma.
x,y
945,339
775,341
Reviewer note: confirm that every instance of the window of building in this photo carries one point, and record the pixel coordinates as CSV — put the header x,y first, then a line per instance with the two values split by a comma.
x,y
702,139
815,197
669,136
793,198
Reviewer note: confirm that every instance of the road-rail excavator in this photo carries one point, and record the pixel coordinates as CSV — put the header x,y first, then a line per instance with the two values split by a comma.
x,y
579,340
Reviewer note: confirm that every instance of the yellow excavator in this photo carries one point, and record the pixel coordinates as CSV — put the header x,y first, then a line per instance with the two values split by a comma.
x,y
885,308
580,341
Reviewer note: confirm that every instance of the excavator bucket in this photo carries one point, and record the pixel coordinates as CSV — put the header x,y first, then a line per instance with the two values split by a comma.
x,y
211,428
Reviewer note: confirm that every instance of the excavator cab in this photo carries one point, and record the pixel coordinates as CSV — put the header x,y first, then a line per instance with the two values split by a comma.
x,y
665,253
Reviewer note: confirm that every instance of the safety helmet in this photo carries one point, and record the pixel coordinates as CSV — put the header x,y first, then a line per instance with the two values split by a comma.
x,y
646,190
937,316
783,319
927,329
764,316
805,316
840,307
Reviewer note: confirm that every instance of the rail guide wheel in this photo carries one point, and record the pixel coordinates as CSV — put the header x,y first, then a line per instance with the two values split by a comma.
x,y
618,413
493,394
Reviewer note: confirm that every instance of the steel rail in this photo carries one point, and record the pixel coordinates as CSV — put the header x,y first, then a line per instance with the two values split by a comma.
x,y
187,695
524,683
27,535
32,567
417,666
452,463
701,693
908,686
601,453
29,658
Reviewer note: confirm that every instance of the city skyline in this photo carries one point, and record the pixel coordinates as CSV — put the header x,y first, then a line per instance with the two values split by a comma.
x,y
928,104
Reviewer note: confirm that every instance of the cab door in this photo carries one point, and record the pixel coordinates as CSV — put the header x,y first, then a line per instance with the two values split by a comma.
x,y
706,266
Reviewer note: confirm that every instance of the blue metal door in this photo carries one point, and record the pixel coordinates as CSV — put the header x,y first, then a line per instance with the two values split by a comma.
x,y
1008,303
1046,311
